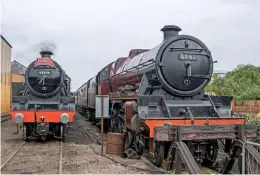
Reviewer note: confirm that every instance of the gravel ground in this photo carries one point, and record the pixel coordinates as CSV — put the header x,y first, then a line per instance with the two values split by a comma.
x,y
9,142
34,158
78,153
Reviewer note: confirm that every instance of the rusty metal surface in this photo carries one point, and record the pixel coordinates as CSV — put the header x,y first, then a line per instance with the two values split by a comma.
x,y
204,132
115,144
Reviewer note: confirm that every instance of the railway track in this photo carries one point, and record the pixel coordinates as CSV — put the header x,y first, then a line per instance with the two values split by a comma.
x,y
95,139
146,158
5,118
90,136
20,156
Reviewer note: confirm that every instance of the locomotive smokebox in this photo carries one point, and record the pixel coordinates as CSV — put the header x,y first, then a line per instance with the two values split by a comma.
x,y
170,31
46,53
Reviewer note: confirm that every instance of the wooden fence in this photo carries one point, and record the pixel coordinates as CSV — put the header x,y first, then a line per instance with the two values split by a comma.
x,y
246,106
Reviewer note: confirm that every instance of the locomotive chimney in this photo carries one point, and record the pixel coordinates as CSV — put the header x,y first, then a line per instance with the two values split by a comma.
x,y
46,53
170,31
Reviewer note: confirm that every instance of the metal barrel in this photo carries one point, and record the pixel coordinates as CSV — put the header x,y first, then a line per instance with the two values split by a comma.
x,y
115,144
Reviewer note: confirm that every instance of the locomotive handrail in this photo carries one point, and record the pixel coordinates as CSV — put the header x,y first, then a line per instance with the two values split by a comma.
x,y
187,49
198,76
135,67
213,105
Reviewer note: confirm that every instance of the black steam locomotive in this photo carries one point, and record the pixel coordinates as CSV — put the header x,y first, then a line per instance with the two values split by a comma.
x,y
46,107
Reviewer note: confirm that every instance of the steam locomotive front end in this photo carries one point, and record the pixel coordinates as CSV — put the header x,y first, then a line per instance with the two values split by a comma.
x,y
44,76
45,108
184,64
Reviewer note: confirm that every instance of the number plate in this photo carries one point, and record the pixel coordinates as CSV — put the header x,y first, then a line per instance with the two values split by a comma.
x,y
44,72
187,57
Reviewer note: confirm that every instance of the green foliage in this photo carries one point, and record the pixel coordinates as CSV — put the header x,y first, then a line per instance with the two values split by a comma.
x,y
257,140
252,118
243,83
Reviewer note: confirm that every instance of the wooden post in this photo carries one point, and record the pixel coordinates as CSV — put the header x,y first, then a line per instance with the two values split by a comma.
x,y
178,162
102,123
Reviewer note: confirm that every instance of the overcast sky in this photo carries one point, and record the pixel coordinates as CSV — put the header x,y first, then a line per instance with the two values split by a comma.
x,y
90,34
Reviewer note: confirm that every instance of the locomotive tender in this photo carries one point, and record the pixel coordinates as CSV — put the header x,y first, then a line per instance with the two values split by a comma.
x,y
157,98
46,106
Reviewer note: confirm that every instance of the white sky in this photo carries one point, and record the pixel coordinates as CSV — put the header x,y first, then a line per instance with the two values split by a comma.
x,y
90,34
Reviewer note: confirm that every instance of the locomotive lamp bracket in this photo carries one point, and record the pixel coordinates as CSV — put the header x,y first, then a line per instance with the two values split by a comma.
x,y
42,118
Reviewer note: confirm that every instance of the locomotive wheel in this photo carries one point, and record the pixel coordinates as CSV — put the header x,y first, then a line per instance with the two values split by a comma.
x,y
63,133
139,145
87,115
158,157
129,139
211,153
111,125
120,126
25,132
57,130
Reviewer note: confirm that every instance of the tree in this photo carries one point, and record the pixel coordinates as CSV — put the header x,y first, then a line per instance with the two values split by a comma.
x,y
243,83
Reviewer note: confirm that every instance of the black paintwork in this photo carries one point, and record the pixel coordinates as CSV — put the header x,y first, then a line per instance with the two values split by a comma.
x,y
184,77
53,82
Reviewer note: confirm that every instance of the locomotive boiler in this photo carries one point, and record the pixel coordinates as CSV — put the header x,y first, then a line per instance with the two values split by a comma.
x,y
181,64
46,106
168,82
157,99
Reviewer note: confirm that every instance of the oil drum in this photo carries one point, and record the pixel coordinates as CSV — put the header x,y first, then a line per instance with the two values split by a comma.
x,y
115,144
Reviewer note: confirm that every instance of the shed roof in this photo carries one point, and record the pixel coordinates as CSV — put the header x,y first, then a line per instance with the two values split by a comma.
x,y
6,41
18,63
